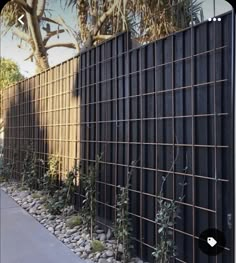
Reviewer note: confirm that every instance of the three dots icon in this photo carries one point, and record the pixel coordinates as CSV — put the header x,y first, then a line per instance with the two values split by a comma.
x,y
214,19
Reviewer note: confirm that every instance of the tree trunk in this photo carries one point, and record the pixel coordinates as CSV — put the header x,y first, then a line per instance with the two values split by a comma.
x,y
82,9
39,50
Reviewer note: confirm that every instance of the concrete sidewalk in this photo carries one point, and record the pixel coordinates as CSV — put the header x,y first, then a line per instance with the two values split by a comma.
x,y
24,240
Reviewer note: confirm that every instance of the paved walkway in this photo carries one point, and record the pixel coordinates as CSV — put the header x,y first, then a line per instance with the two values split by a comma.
x,y
24,240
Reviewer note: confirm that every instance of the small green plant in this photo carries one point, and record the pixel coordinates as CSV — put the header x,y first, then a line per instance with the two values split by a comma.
x,y
6,168
74,221
36,195
63,196
97,246
123,227
165,220
88,182
50,180
2,179
44,199
30,175
6,171
23,188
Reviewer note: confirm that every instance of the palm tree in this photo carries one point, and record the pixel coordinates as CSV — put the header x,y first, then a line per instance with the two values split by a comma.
x,y
146,19
31,32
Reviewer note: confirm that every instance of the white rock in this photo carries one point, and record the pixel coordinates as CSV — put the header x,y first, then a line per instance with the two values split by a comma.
x,y
99,231
51,229
66,240
23,194
109,253
76,238
109,234
102,260
97,256
102,237
120,248
84,255
71,231
87,248
71,245
81,241
32,210
81,249
58,227
90,256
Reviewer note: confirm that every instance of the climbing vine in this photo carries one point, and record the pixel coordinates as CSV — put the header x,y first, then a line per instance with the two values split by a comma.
x,y
88,182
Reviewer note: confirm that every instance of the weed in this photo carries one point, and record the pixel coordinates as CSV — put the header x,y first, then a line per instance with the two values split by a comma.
x,y
97,246
50,180
165,220
63,196
88,182
74,221
123,227
6,168
30,175
36,195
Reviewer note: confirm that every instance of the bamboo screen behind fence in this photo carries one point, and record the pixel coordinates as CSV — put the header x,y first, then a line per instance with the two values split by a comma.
x,y
43,109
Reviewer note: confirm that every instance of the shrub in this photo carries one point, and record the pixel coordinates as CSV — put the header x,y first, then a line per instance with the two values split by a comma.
x,y
30,175
165,220
36,195
6,168
50,180
63,196
123,227
97,246
88,182
74,221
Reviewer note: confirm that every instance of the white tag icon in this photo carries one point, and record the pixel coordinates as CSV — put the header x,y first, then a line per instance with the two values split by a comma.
x,y
211,241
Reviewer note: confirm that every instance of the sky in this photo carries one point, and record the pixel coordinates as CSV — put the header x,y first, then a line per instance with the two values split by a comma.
x,y
9,49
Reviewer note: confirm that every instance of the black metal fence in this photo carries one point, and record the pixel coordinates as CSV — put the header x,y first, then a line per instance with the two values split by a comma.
x,y
165,105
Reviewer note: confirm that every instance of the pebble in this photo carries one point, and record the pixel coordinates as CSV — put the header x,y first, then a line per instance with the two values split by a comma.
x,y
120,248
97,256
58,227
76,239
32,211
102,260
102,237
51,229
109,253
99,231
109,234
87,248
71,231
80,242
66,240
84,255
